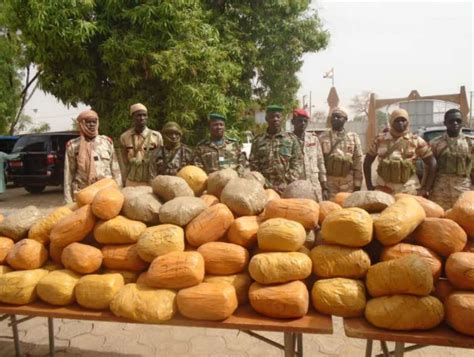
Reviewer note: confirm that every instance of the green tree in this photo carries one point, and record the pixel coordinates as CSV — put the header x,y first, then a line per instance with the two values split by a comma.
x,y
181,58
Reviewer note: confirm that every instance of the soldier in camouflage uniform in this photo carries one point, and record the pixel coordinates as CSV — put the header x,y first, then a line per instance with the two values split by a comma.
x,y
219,152
398,151
277,155
173,155
342,155
454,153
314,168
138,145
89,158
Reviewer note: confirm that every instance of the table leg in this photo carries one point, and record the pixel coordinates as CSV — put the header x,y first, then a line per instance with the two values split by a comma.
x,y
51,336
289,338
385,351
299,344
399,349
16,339
368,348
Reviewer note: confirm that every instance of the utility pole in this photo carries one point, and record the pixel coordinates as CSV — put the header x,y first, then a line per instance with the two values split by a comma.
x,y
311,103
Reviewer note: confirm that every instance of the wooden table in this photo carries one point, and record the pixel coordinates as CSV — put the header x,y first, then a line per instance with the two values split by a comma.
x,y
440,336
244,319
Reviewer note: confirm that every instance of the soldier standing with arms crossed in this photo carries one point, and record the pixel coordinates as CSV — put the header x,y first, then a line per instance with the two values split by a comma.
x,y
342,155
454,153
314,168
138,144
277,155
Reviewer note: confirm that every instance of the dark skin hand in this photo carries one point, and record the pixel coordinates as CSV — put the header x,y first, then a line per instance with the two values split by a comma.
x,y
325,189
369,159
430,163
217,129
274,122
140,118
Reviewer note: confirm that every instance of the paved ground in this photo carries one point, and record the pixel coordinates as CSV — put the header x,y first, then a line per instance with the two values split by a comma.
x,y
102,339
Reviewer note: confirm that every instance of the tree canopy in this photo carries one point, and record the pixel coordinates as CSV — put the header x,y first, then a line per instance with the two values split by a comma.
x,y
181,58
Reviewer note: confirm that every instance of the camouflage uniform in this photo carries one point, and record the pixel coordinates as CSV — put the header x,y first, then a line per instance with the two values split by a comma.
x,y
343,160
314,168
106,165
279,158
169,162
212,156
137,150
454,174
396,170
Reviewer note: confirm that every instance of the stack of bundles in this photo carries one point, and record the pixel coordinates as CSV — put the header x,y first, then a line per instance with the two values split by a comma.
x,y
279,265
340,264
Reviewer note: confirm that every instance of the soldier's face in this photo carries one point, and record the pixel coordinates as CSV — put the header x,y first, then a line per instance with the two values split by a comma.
x,y
174,136
453,124
91,123
140,118
338,120
274,120
400,124
217,129
300,124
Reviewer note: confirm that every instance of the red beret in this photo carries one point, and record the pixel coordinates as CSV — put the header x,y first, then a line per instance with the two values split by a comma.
x,y
300,113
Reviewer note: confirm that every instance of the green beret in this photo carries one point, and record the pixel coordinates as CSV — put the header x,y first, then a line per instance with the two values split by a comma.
x,y
274,108
217,116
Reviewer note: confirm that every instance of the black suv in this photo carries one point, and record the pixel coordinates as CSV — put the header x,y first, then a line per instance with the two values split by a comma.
x,y
42,160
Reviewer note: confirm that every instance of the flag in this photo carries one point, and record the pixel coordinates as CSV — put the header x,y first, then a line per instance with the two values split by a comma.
x,y
329,74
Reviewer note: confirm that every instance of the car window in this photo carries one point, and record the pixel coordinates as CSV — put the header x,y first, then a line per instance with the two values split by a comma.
x,y
430,135
32,143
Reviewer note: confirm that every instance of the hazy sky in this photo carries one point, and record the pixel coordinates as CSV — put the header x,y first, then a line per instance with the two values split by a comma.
x,y
388,47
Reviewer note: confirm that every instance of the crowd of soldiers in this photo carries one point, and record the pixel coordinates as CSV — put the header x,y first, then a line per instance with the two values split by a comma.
x,y
332,162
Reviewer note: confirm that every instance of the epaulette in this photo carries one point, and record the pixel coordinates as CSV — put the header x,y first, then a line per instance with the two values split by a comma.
x,y
109,139
70,142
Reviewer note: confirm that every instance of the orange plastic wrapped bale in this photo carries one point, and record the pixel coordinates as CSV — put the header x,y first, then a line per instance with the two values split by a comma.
x,y
443,236
107,203
41,230
123,257
74,227
460,270
432,209
340,197
243,231
443,288
6,244
209,200
207,301
176,270
210,225
283,301
86,195
463,212
460,312
241,282
81,258
27,254
301,210
326,207
221,258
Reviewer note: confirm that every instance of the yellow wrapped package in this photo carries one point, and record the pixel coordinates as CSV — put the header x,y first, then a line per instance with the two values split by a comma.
x,y
273,268
128,276
195,177
405,312
406,275
351,227
107,203
96,291
282,301
41,230
396,222
6,244
57,288
27,254
160,240
339,297
73,227
335,261
118,230
280,235
19,287
241,282
207,301
144,304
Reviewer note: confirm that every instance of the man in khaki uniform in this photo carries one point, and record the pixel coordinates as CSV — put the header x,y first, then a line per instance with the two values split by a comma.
x,y
219,151
138,144
398,150
314,168
342,155
89,158
454,153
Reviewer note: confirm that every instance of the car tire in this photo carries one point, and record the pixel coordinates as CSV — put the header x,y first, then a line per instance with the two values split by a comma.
x,y
35,189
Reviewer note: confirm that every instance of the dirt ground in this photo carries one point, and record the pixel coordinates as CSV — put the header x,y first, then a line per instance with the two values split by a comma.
x,y
16,198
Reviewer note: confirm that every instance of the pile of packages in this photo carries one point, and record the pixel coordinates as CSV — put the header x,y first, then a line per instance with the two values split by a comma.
x,y
202,245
